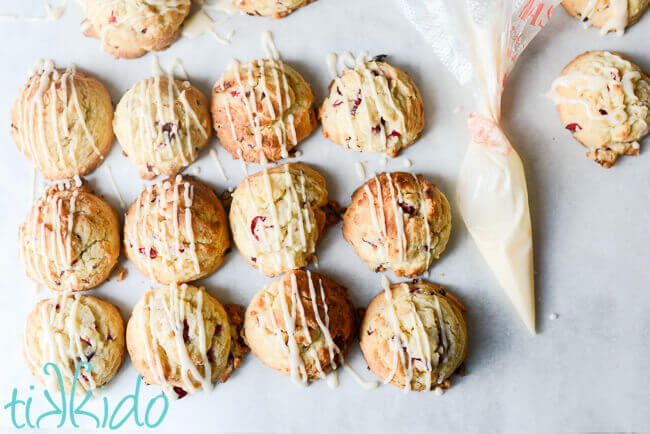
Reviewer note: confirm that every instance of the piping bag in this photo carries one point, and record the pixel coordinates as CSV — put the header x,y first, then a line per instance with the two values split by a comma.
x,y
479,42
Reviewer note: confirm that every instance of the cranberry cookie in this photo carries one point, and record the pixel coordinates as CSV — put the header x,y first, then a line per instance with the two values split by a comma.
x,y
70,240
373,107
62,121
73,332
182,339
277,217
398,221
261,110
176,231
603,99
301,325
414,336
129,28
162,125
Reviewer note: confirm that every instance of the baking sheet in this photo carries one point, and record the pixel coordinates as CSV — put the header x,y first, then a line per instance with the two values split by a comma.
x,y
585,371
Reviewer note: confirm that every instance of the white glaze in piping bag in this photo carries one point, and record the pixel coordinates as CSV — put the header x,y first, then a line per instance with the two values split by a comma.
x,y
481,40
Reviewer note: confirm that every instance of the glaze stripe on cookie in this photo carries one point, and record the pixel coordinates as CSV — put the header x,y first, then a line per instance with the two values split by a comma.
x,y
616,22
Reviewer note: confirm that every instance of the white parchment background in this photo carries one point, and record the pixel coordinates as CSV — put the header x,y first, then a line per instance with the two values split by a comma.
x,y
586,371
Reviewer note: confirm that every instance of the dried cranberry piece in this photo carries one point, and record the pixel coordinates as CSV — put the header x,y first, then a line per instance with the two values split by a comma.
x,y
141,250
338,90
186,331
254,223
86,341
376,129
112,19
234,93
337,103
109,337
153,253
168,130
180,392
355,104
369,332
602,112
394,134
254,259
144,30
573,127
149,167
406,208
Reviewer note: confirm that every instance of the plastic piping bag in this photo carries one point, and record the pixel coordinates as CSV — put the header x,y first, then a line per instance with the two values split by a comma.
x,y
479,42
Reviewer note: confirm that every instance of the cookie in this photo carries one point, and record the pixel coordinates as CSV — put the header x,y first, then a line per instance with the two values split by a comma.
x,y
608,15
277,217
128,29
261,110
162,125
603,99
182,339
70,240
70,332
374,107
398,221
414,336
301,325
176,231
62,121
270,8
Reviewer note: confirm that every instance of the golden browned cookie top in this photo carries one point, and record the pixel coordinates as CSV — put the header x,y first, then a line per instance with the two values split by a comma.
x,y
176,231
301,325
414,335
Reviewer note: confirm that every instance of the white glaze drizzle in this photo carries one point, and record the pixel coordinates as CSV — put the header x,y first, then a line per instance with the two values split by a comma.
x,y
115,189
173,306
601,82
215,157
